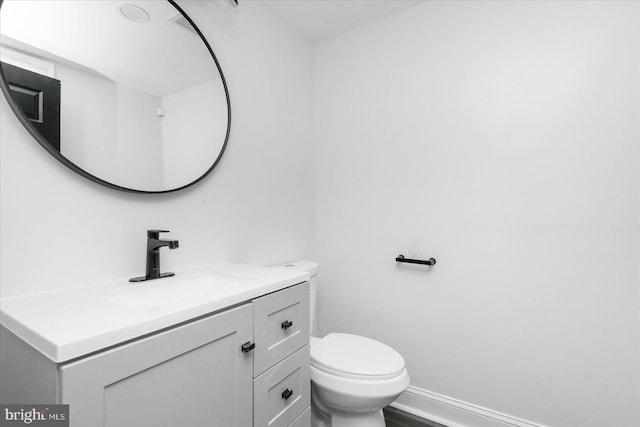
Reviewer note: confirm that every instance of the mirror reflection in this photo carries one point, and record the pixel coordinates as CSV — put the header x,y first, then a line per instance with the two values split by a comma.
x,y
127,91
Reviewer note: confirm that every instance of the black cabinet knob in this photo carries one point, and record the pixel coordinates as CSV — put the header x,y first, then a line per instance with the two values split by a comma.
x,y
248,346
287,394
287,324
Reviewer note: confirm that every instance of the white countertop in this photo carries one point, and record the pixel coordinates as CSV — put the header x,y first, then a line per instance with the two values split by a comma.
x,y
73,322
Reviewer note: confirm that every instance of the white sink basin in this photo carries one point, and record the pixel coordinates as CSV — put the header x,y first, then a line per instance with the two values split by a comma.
x,y
73,322
172,291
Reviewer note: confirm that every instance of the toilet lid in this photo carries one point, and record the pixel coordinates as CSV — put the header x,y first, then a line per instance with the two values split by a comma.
x,y
353,356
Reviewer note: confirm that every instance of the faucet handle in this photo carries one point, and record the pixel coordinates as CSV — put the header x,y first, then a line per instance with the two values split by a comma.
x,y
154,234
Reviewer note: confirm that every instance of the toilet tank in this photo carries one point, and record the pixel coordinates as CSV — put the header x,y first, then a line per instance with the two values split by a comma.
x,y
312,268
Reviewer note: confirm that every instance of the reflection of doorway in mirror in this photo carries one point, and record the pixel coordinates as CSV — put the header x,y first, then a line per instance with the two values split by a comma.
x,y
38,97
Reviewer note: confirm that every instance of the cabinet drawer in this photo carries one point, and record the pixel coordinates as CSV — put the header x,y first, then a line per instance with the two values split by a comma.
x,y
283,392
280,325
303,420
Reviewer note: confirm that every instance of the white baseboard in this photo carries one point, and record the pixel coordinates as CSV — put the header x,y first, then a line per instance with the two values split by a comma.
x,y
452,412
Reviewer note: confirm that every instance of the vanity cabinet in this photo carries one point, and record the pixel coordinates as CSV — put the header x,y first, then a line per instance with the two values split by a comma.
x,y
193,374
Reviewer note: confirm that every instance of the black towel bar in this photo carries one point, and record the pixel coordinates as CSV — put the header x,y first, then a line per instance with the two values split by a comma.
x,y
430,261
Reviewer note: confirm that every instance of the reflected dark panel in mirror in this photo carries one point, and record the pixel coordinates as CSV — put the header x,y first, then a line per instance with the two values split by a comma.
x,y
128,93
38,98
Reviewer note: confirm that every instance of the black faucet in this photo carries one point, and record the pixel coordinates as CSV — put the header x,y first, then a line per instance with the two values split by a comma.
x,y
153,256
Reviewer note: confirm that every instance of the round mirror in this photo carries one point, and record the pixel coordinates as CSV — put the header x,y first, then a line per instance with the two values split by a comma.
x,y
126,93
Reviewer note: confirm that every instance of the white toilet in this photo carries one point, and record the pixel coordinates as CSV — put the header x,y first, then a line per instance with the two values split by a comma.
x,y
352,377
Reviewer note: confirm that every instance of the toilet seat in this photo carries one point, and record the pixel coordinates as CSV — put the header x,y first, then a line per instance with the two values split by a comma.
x,y
356,357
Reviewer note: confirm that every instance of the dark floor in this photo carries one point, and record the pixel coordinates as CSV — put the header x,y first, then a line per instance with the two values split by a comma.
x,y
397,418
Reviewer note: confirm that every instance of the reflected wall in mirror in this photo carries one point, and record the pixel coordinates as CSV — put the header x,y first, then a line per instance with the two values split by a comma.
x,y
127,93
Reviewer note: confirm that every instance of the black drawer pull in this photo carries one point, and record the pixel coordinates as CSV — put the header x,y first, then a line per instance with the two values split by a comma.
x,y
287,394
248,346
430,261
287,324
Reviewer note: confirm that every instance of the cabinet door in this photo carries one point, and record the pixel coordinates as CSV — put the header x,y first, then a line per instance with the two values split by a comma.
x,y
280,325
191,375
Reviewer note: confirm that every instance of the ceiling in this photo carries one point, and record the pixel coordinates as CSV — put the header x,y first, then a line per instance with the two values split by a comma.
x,y
73,32
93,35
319,20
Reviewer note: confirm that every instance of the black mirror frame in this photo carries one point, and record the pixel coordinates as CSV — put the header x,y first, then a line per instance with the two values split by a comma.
x,y
5,90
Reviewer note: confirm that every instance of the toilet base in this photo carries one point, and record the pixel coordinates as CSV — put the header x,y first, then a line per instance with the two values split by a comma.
x,y
321,416
371,419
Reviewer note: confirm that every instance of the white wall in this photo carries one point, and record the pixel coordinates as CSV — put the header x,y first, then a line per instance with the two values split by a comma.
x,y
113,131
193,131
110,130
88,121
60,230
502,139
138,143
